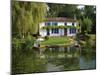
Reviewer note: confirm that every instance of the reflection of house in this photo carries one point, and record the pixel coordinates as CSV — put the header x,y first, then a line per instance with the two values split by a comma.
x,y
58,27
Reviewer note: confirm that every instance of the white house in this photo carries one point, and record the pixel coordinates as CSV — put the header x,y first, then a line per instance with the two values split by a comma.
x,y
58,27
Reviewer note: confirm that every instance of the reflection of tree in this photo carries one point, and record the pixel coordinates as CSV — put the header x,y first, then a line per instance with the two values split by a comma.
x,y
27,63
37,60
87,58
71,64
88,54
60,58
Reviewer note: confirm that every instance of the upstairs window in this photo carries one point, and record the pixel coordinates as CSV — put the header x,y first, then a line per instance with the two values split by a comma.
x,y
65,24
47,23
54,23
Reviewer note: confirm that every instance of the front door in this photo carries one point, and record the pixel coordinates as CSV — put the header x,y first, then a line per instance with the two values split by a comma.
x,y
65,31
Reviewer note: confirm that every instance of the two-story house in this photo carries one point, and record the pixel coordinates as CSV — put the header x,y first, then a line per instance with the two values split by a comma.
x,y
58,27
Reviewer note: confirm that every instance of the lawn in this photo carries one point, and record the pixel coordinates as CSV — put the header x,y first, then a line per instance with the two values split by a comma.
x,y
57,41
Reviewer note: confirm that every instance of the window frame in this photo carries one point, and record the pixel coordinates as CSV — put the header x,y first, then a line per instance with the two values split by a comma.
x,y
72,30
54,23
55,31
47,23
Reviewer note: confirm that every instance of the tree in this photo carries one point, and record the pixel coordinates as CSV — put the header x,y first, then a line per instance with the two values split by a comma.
x,y
61,10
86,25
54,9
67,11
90,12
26,17
83,13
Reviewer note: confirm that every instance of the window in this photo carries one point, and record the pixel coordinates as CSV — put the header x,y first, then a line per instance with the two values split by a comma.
x,y
73,24
54,23
72,30
56,30
47,23
65,23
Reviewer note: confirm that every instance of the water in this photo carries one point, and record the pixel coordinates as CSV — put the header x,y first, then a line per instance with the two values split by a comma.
x,y
54,59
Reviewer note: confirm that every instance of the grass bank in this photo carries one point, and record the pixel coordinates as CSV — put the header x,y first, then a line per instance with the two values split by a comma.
x,y
63,40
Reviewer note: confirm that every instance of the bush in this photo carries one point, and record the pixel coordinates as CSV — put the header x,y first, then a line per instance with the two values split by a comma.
x,y
24,44
28,45
46,37
16,43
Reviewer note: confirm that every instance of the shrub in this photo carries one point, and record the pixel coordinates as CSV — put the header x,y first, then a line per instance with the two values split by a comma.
x,y
23,44
46,37
16,43
28,44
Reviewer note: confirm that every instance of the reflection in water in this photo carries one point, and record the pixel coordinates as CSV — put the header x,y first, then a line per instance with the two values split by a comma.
x,y
53,59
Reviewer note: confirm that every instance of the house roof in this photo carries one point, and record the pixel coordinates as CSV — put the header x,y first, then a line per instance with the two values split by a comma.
x,y
60,19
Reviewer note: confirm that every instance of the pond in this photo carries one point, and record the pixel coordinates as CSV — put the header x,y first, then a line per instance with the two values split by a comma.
x,y
53,59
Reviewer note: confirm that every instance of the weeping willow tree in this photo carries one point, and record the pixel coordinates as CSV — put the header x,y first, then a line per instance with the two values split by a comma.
x,y
26,17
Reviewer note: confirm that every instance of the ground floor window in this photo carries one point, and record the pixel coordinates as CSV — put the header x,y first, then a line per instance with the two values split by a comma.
x,y
72,30
48,32
55,30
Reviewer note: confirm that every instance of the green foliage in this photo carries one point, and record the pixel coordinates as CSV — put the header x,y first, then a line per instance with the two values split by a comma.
x,y
89,11
26,44
26,62
46,37
61,27
29,42
68,11
86,25
16,43
87,19
26,17
54,9
61,10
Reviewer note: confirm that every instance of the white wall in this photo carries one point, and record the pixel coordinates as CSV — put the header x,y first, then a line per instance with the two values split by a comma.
x,y
61,23
43,32
61,32
69,23
42,24
75,23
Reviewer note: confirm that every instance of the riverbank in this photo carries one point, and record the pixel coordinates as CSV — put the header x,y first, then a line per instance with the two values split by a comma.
x,y
66,41
90,41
